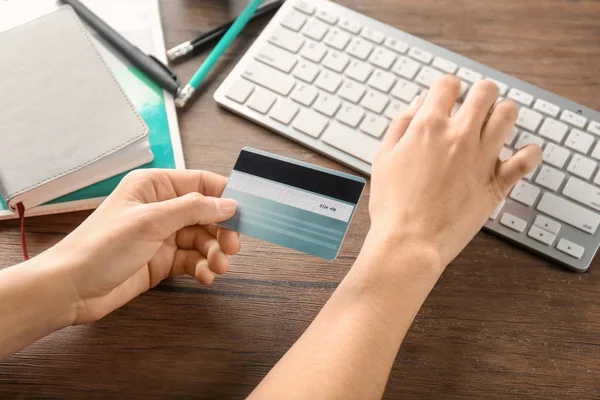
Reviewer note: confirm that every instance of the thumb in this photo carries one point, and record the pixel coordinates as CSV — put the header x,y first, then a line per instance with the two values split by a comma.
x,y
519,165
193,209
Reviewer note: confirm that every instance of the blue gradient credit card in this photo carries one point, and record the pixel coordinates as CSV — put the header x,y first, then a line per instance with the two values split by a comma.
x,y
292,203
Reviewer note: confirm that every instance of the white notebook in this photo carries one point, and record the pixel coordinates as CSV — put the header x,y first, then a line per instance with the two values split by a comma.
x,y
65,123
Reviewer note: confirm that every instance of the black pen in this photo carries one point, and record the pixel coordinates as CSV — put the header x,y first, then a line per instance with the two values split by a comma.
x,y
153,68
214,35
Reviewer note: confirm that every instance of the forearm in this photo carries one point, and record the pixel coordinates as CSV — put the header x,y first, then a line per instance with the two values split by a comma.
x,y
35,301
349,349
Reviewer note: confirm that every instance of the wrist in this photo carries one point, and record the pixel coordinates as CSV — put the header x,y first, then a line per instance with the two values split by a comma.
x,y
51,274
397,248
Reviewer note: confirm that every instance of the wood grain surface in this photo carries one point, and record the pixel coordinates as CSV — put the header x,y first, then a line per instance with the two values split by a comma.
x,y
501,323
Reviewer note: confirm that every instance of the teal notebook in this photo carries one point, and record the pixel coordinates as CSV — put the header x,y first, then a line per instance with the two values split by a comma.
x,y
156,108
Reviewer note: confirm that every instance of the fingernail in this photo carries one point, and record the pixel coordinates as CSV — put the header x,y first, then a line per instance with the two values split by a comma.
x,y
416,102
226,206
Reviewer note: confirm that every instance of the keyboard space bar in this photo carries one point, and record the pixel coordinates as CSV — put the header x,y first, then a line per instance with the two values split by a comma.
x,y
351,141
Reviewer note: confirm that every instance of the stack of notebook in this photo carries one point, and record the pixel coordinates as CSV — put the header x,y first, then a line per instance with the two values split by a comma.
x,y
65,123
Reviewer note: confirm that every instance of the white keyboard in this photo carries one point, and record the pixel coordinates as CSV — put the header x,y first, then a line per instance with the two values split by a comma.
x,y
333,79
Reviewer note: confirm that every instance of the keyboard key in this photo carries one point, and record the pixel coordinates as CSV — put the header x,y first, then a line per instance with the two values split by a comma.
x,y
530,175
328,81
314,51
596,152
350,115
420,55
570,248
382,80
555,155
527,138
327,17
428,76
310,123
269,78
305,7
594,127
286,39
350,141
546,107
397,45
315,30
444,65
547,224
261,100
284,111
464,87
360,48
394,109
525,193
352,91
304,94
511,136
327,105
359,71
541,235
580,141
350,26
337,38
502,88
513,222
306,71
468,75
406,68
336,61
374,125
294,21
569,212
505,154
373,36
573,119
520,97
597,178
405,90
277,58
382,58
529,119
581,166
550,178
553,129
582,192
240,91
497,210
374,101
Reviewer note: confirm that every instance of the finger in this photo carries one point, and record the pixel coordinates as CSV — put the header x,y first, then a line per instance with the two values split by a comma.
x,y
195,238
442,96
498,127
400,124
182,181
203,274
229,241
212,229
191,209
519,165
218,262
185,262
477,105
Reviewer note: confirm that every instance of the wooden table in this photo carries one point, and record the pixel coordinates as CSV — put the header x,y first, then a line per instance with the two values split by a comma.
x,y
501,323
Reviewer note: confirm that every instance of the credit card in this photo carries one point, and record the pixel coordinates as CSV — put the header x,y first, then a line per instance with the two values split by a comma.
x,y
292,203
